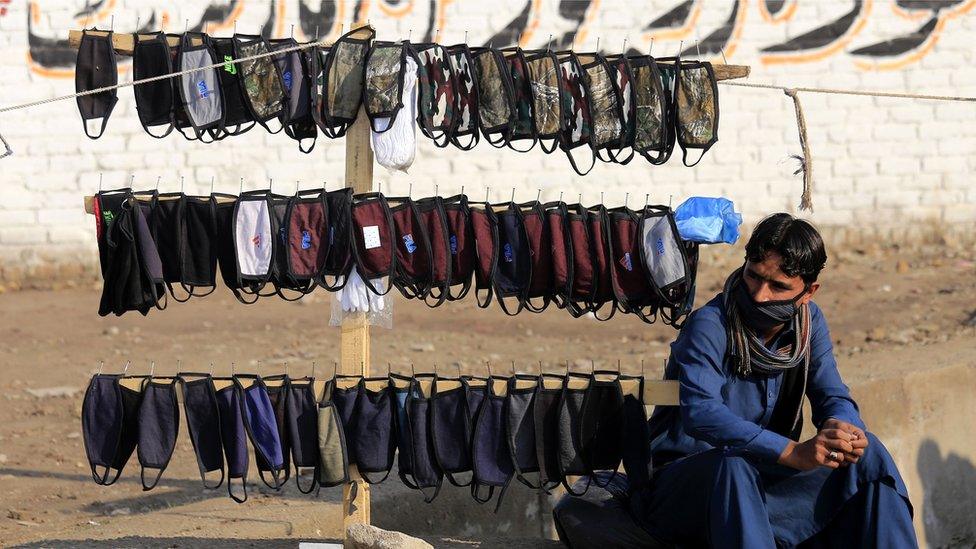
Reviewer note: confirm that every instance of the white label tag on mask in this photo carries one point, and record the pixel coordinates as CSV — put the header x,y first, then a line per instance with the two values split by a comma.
x,y
371,237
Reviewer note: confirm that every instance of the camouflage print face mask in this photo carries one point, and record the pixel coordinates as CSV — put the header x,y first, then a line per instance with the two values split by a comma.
x,y
573,93
604,102
384,82
652,126
547,108
495,102
623,78
435,87
466,90
524,126
262,83
344,73
697,113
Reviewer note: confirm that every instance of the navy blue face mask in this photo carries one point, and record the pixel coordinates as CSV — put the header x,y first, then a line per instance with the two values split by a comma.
x,y
301,420
159,425
545,416
345,394
491,461
514,265
232,435
373,439
601,424
262,428
450,428
417,465
520,433
203,423
109,425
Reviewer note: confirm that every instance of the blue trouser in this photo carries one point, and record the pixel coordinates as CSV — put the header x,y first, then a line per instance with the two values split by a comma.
x,y
719,498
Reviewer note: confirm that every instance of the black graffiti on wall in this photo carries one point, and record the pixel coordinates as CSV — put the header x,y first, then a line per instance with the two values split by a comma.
x,y
49,51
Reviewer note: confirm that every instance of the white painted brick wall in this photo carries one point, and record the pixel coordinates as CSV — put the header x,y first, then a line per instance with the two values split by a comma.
x,y
877,162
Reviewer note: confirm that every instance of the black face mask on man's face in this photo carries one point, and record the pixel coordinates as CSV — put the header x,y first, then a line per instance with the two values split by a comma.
x,y
765,315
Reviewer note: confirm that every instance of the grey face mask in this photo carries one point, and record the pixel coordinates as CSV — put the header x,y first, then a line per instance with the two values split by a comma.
x,y
766,315
200,91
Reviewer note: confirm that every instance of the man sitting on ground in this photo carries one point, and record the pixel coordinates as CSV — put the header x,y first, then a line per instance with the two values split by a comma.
x,y
728,467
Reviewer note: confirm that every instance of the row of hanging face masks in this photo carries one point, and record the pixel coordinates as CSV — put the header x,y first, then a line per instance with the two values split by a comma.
x,y
612,106
526,256
476,432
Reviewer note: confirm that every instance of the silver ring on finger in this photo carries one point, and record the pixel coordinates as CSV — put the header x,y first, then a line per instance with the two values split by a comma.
x,y
833,456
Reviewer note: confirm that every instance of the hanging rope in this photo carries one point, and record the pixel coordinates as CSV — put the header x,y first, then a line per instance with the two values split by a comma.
x,y
806,162
836,91
7,150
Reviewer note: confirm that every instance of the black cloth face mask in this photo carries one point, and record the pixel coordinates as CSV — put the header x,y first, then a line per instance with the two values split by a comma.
x,y
233,436
450,428
601,424
159,425
109,425
301,421
96,68
198,246
374,439
203,424
570,450
276,387
166,224
131,268
765,315
598,225
636,443
237,117
154,100
339,261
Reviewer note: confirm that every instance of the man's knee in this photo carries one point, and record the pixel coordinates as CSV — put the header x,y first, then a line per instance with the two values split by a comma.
x,y
734,467
875,455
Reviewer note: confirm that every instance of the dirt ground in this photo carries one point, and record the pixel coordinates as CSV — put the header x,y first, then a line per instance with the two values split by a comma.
x,y
879,304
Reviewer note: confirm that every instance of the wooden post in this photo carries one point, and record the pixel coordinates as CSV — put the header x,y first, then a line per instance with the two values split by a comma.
x,y
354,344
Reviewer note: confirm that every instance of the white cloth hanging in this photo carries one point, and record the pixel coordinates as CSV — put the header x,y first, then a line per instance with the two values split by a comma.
x,y
395,148
356,297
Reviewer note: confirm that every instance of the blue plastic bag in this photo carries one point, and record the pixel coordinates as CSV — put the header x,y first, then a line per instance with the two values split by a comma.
x,y
708,220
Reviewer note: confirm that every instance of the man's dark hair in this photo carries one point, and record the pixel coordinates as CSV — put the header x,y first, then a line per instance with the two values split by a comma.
x,y
795,240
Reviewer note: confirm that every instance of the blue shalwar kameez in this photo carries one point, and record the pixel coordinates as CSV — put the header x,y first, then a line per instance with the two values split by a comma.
x,y
716,481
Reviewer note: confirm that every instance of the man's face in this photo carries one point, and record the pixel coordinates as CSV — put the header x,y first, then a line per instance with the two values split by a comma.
x,y
766,282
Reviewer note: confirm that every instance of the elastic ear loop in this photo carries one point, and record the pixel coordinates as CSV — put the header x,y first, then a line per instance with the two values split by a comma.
x,y
519,475
433,434
142,469
616,471
247,427
203,476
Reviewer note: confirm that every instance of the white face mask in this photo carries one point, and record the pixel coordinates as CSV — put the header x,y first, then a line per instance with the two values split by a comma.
x,y
252,238
395,146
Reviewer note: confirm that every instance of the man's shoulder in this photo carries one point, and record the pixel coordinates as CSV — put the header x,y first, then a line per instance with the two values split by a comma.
x,y
710,314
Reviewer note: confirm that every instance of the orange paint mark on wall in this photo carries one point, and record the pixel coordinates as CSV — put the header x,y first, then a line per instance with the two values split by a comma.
x,y
587,20
825,52
280,19
533,23
905,14
363,16
395,12
926,48
228,21
740,20
679,33
783,16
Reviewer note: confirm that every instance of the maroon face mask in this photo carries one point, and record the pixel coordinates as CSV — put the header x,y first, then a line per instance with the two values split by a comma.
x,y
563,273
372,238
460,243
434,220
582,261
307,232
539,240
631,286
413,257
484,229
597,222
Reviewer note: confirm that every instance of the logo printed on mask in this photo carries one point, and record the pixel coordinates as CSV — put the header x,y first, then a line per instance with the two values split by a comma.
x,y
108,216
256,240
306,240
659,246
625,261
509,254
453,241
230,67
286,76
202,89
408,242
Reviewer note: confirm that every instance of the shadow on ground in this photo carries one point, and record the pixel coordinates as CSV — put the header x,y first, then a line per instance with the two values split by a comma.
x,y
949,485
